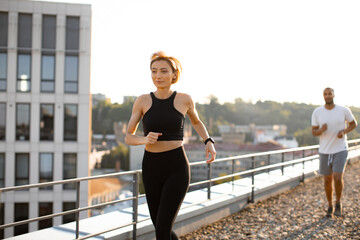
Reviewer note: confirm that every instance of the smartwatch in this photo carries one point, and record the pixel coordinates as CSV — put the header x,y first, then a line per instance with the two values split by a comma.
x,y
209,139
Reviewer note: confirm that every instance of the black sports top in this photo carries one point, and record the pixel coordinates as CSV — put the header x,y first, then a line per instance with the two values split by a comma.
x,y
162,117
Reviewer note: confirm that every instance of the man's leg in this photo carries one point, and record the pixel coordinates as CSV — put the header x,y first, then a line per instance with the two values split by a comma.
x,y
339,185
339,165
328,188
325,170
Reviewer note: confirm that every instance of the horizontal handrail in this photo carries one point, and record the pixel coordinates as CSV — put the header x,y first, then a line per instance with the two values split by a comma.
x,y
70,180
136,195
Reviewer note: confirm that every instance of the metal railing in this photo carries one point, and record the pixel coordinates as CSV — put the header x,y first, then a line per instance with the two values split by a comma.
x,y
305,154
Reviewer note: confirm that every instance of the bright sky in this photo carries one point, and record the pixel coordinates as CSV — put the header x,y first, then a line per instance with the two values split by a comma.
x,y
281,50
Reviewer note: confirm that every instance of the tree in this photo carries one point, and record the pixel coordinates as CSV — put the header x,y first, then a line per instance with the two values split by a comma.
x,y
121,154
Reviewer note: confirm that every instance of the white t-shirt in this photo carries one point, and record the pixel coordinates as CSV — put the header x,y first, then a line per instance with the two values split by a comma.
x,y
336,121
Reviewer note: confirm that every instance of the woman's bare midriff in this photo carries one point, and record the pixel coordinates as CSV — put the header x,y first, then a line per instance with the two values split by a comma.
x,y
163,146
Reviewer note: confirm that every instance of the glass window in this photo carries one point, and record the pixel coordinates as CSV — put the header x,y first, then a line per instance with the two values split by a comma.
x,y
24,73
22,121
72,33
48,73
47,122
2,220
21,169
3,71
49,32
66,207
21,213
69,169
45,208
25,30
2,121
46,170
3,29
2,170
70,122
71,74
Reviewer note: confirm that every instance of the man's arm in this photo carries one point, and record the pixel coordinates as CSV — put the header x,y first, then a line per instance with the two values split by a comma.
x,y
317,131
352,125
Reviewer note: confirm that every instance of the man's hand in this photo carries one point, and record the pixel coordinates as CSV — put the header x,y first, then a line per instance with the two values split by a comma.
x,y
323,128
341,134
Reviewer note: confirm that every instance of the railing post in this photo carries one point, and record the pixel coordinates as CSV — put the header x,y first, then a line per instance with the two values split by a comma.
x,y
209,179
232,172
282,160
252,200
135,202
77,214
268,163
303,171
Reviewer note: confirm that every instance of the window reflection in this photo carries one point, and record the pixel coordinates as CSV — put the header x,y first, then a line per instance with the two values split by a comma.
x,y
69,169
45,208
22,169
48,73
2,120
21,213
24,73
46,169
67,206
70,122
71,74
22,122
3,71
2,170
47,122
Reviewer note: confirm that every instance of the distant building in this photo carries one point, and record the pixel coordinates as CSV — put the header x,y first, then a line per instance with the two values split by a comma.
x,y
98,97
44,109
287,141
232,133
129,98
268,132
196,152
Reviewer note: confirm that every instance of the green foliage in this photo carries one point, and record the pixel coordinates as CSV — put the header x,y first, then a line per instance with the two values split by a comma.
x,y
105,114
121,154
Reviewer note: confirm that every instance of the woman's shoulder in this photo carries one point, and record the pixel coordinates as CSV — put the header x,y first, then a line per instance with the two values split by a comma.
x,y
143,97
184,96
142,100
185,99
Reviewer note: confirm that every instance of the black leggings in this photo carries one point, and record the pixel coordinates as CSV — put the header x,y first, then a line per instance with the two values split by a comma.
x,y
166,177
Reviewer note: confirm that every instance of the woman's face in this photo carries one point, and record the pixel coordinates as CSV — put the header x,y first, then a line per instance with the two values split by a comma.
x,y
162,74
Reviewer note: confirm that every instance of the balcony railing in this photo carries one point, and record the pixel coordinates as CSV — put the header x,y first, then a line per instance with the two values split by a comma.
x,y
299,156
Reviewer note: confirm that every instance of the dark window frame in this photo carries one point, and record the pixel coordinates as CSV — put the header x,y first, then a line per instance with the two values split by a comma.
x,y
66,206
69,137
45,179
2,170
27,137
42,130
3,129
45,80
43,211
69,186
17,179
3,80
24,228
69,82
19,80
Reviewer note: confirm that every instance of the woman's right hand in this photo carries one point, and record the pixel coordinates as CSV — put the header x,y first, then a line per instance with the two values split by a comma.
x,y
152,138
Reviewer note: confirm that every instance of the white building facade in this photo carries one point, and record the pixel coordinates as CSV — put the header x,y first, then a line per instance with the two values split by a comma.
x,y
45,109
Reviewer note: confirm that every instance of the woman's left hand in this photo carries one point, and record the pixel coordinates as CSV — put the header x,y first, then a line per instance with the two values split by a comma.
x,y
210,149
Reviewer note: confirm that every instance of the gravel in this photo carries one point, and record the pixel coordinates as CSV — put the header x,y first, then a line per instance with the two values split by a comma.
x,y
295,214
